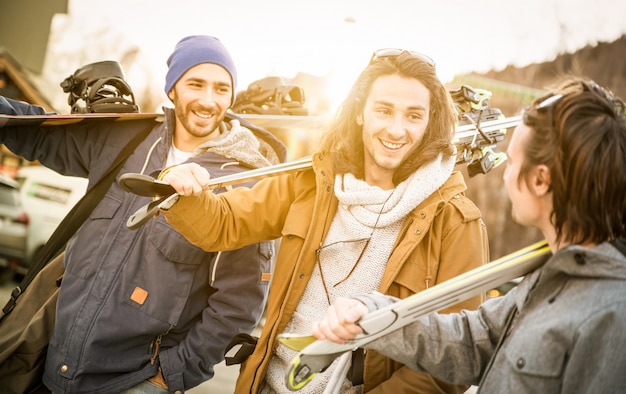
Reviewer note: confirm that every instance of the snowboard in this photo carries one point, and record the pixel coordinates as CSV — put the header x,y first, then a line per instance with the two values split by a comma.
x,y
59,120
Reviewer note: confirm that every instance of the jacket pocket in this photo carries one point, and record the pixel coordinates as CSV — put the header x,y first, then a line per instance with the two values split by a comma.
x,y
160,283
411,277
536,355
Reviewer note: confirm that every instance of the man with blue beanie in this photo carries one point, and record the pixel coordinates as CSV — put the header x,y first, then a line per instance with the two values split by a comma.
x,y
145,311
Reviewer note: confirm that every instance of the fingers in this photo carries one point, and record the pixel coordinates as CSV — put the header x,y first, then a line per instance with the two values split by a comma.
x,y
340,322
187,179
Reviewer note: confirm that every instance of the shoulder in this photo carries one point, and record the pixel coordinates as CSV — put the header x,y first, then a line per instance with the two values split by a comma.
x,y
465,207
453,193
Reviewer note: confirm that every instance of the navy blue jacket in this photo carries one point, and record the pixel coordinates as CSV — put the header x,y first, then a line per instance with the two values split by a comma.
x,y
134,300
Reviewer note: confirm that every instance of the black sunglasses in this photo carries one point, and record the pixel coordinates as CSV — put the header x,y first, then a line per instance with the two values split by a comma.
x,y
393,52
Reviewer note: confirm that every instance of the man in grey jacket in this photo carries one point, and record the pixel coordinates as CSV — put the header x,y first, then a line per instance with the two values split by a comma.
x,y
563,329
143,309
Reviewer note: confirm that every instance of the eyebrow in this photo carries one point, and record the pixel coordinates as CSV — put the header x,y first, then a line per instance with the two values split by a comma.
x,y
226,84
388,104
202,80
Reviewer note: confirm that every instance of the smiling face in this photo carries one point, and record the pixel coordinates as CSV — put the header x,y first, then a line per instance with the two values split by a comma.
x,y
201,97
394,121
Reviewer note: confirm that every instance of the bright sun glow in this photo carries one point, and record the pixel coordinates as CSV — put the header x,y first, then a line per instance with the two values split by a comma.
x,y
326,38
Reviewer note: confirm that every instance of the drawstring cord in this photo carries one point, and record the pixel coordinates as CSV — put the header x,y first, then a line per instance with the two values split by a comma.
x,y
145,163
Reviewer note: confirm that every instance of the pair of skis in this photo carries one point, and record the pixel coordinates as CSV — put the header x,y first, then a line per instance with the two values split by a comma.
x,y
316,355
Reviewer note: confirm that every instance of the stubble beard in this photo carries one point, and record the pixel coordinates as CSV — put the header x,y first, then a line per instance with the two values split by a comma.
x,y
192,129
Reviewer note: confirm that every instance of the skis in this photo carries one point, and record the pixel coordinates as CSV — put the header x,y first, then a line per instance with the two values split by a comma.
x,y
469,139
316,355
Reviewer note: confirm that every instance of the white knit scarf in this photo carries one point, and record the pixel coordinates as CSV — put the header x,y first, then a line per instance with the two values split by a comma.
x,y
364,212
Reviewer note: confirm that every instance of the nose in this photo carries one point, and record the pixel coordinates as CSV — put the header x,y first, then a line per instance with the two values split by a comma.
x,y
396,125
207,97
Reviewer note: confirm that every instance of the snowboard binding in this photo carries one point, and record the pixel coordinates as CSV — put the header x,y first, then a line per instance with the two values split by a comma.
x,y
99,88
271,96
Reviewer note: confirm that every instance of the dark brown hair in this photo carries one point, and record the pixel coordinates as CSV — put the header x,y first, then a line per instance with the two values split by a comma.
x,y
344,135
581,138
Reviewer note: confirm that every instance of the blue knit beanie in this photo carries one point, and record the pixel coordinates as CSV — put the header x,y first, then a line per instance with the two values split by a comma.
x,y
194,50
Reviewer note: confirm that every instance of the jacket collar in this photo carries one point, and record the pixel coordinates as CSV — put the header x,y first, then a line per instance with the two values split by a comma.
x,y
260,133
602,261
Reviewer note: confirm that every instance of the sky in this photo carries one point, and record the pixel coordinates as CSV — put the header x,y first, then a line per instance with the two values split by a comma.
x,y
335,38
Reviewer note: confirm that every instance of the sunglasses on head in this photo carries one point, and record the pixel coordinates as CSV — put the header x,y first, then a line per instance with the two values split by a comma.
x,y
393,52
547,104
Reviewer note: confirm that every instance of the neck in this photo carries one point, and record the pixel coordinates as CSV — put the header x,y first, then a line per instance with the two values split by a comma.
x,y
187,142
380,177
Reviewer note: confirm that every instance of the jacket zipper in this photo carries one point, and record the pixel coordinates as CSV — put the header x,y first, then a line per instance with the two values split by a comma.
x,y
156,345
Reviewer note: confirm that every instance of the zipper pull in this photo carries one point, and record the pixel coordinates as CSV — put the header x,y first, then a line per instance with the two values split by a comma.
x,y
157,344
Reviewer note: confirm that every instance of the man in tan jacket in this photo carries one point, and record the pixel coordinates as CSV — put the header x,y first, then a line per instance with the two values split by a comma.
x,y
382,209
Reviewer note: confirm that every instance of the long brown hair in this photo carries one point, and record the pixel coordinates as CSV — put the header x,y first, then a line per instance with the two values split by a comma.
x,y
581,138
344,136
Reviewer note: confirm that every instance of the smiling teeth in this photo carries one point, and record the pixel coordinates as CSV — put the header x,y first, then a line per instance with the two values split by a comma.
x,y
390,145
204,116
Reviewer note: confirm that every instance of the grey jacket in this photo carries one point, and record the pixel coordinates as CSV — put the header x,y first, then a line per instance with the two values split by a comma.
x,y
134,300
569,335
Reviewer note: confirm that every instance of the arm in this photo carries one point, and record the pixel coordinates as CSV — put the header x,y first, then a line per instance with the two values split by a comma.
x,y
13,107
454,347
235,307
67,149
233,219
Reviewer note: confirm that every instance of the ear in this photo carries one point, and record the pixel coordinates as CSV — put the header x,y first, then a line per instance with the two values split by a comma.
x,y
170,94
542,180
359,120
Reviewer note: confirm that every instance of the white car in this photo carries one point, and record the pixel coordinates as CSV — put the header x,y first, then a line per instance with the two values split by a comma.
x,y
14,225
47,197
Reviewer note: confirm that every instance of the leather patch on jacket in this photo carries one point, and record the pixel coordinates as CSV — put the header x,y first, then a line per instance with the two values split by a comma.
x,y
139,295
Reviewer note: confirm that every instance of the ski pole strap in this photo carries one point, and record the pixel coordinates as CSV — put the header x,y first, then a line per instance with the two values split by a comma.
x,y
239,349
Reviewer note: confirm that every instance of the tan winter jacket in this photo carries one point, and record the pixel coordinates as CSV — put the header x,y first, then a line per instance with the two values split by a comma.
x,y
441,238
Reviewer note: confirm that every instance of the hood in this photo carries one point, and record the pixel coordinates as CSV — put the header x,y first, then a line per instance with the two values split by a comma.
x,y
602,261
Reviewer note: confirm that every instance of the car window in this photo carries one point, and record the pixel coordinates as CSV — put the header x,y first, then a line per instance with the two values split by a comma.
x,y
9,195
49,192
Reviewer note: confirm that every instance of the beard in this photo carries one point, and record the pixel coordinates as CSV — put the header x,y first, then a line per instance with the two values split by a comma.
x,y
196,127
